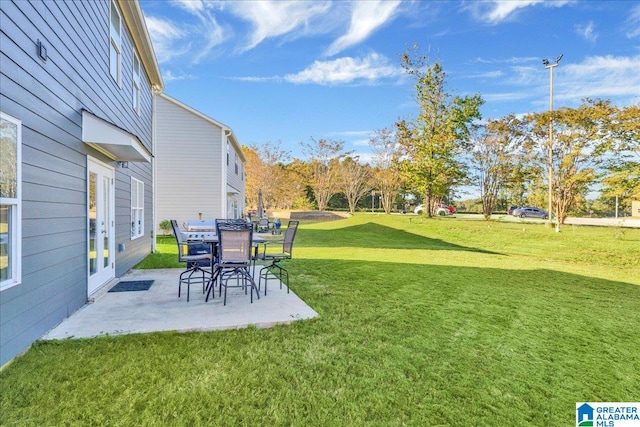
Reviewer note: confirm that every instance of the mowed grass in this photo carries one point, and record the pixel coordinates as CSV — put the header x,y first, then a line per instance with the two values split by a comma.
x,y
440,322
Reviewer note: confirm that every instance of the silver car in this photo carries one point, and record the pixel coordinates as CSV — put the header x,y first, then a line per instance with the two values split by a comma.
x,y
529,212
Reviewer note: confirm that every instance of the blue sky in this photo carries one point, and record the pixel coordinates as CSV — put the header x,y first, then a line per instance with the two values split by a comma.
x,y
286,71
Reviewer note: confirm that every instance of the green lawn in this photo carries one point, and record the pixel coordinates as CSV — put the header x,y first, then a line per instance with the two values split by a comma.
x,y
441,322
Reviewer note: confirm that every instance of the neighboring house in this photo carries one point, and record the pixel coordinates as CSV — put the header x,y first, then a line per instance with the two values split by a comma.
x,y
199,165
76,177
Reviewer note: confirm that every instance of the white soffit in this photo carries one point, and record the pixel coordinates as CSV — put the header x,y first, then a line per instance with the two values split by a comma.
x,y
112,141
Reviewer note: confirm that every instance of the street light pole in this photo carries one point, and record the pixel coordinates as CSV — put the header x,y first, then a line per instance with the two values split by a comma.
x,y
551,66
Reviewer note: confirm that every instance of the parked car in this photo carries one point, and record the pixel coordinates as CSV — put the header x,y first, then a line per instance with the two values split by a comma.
x,y
511,209
440,209
529,212
450,208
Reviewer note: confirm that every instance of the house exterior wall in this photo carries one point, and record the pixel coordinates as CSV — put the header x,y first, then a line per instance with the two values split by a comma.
x,y
235,180
188,150
48,96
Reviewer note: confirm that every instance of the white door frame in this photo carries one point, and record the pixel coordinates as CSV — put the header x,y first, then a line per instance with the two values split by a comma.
x,y
100,224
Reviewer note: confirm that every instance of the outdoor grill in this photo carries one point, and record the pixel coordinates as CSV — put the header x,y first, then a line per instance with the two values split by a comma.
x,y
199,229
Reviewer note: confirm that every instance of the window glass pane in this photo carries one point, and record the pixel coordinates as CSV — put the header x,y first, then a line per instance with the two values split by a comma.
x,y
5,243
106,220
114,62
8,159
134,193
136,69
93,226
137,208
115,22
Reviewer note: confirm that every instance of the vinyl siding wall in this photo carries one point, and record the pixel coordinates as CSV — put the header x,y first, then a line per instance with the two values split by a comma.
x,y
48,97
235,180
189,166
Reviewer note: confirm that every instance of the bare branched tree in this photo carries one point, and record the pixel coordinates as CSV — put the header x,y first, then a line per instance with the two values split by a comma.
x,y
386,173
323,173
354,181
494,158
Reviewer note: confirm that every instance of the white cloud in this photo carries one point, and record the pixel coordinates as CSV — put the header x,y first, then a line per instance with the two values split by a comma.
x,y
171,41
346,70
633,23
601,76
366,17
168,40
495,74
608,77
271,18
505,96
168,76
191,6
503,9
497,11
257,79
587,31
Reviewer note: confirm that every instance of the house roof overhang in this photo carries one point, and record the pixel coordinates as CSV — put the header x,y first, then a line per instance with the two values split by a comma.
x,y
135,20
112,141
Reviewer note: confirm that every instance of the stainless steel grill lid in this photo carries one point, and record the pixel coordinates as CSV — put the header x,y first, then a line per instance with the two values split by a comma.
x,y
201,225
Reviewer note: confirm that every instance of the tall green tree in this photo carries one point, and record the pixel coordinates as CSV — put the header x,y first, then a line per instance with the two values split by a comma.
x,y
623,169
435,139
582,139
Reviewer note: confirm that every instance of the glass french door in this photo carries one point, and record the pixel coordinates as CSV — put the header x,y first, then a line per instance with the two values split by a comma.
x,y
101,228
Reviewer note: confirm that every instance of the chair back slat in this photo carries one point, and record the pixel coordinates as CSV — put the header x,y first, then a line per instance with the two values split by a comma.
x,y
178,235
235,244
289,236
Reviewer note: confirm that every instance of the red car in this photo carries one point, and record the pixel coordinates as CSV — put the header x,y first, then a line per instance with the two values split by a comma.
x,y
450,208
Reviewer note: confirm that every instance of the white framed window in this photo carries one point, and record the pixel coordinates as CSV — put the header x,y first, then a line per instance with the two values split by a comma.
x,y
115,44
137,208
235,160
10,201
135,95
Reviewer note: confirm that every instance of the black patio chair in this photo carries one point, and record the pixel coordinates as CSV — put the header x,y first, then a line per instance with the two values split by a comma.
x,y
273,268
196,271
234,262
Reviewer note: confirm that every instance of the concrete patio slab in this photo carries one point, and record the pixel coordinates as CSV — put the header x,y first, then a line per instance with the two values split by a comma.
x,y
160,309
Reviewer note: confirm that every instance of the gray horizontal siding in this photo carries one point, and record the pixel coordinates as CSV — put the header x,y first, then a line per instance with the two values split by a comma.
x,y
48,97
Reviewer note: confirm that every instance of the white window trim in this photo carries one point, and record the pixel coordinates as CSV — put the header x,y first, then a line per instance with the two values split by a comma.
x,y
115,40
136,84
16,219
137,209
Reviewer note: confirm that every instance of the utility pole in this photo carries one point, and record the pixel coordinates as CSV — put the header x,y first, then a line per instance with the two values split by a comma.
x,y
551,66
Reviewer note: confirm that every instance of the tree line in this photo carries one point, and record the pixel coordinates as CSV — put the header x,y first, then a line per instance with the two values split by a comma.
x,y
448,145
